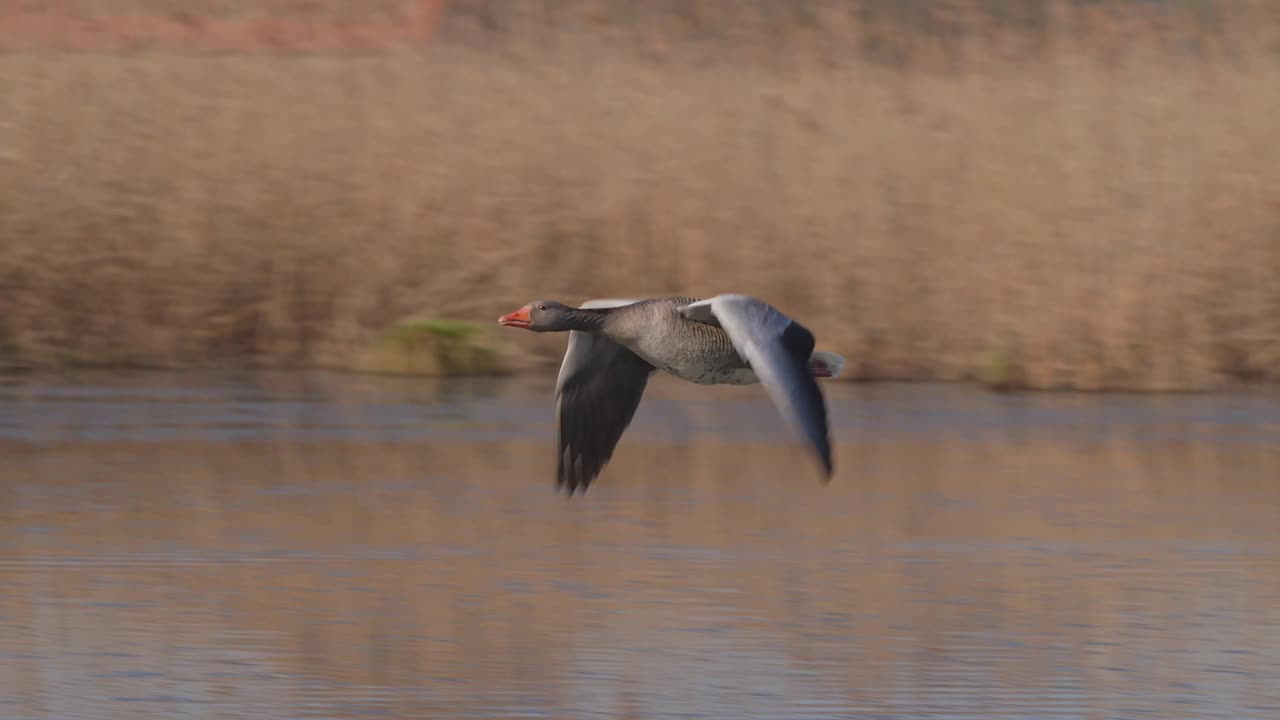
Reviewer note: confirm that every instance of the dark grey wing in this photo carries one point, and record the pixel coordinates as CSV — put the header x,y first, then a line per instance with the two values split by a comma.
x,y
597,393
578,351
778,349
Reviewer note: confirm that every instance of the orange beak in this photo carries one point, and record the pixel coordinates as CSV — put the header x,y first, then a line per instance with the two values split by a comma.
x,y
520,318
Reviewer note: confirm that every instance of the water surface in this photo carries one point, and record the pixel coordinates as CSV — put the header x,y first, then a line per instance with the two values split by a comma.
x,y
329,546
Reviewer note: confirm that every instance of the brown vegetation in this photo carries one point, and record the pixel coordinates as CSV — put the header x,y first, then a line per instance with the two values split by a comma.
x,y
313,25
1090,201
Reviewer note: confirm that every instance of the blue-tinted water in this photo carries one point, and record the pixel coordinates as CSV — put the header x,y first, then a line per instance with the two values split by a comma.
x,y
331,546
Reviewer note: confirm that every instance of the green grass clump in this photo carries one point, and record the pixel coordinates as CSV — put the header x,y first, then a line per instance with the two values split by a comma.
x,y
1003,368
435,347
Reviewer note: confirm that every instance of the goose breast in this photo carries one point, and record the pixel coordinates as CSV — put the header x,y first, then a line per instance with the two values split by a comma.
x,y
692,351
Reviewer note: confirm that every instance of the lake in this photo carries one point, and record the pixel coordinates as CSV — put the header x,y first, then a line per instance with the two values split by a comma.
x,y
278,546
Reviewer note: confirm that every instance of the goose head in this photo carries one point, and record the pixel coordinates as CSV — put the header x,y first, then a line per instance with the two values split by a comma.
x,y
541,316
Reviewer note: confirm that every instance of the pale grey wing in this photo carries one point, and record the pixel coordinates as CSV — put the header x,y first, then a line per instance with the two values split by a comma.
x,y
778,349
701,311
609,302
597,393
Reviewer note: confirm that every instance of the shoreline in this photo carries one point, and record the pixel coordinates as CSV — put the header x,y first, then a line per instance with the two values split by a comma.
x,y
547,371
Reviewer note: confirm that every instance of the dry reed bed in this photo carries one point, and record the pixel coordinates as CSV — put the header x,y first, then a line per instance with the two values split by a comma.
x,y
1093,214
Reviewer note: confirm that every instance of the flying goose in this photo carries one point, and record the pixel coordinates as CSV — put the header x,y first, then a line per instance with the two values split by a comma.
x,y
616,344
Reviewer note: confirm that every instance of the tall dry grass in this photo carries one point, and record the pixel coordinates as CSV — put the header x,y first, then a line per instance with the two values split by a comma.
x,y
1094,202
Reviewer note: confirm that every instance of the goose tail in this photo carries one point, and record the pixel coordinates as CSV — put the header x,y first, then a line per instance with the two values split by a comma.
x,y
827,365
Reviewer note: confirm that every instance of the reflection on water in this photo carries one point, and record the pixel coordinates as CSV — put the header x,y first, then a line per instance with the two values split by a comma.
x,y
348,547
